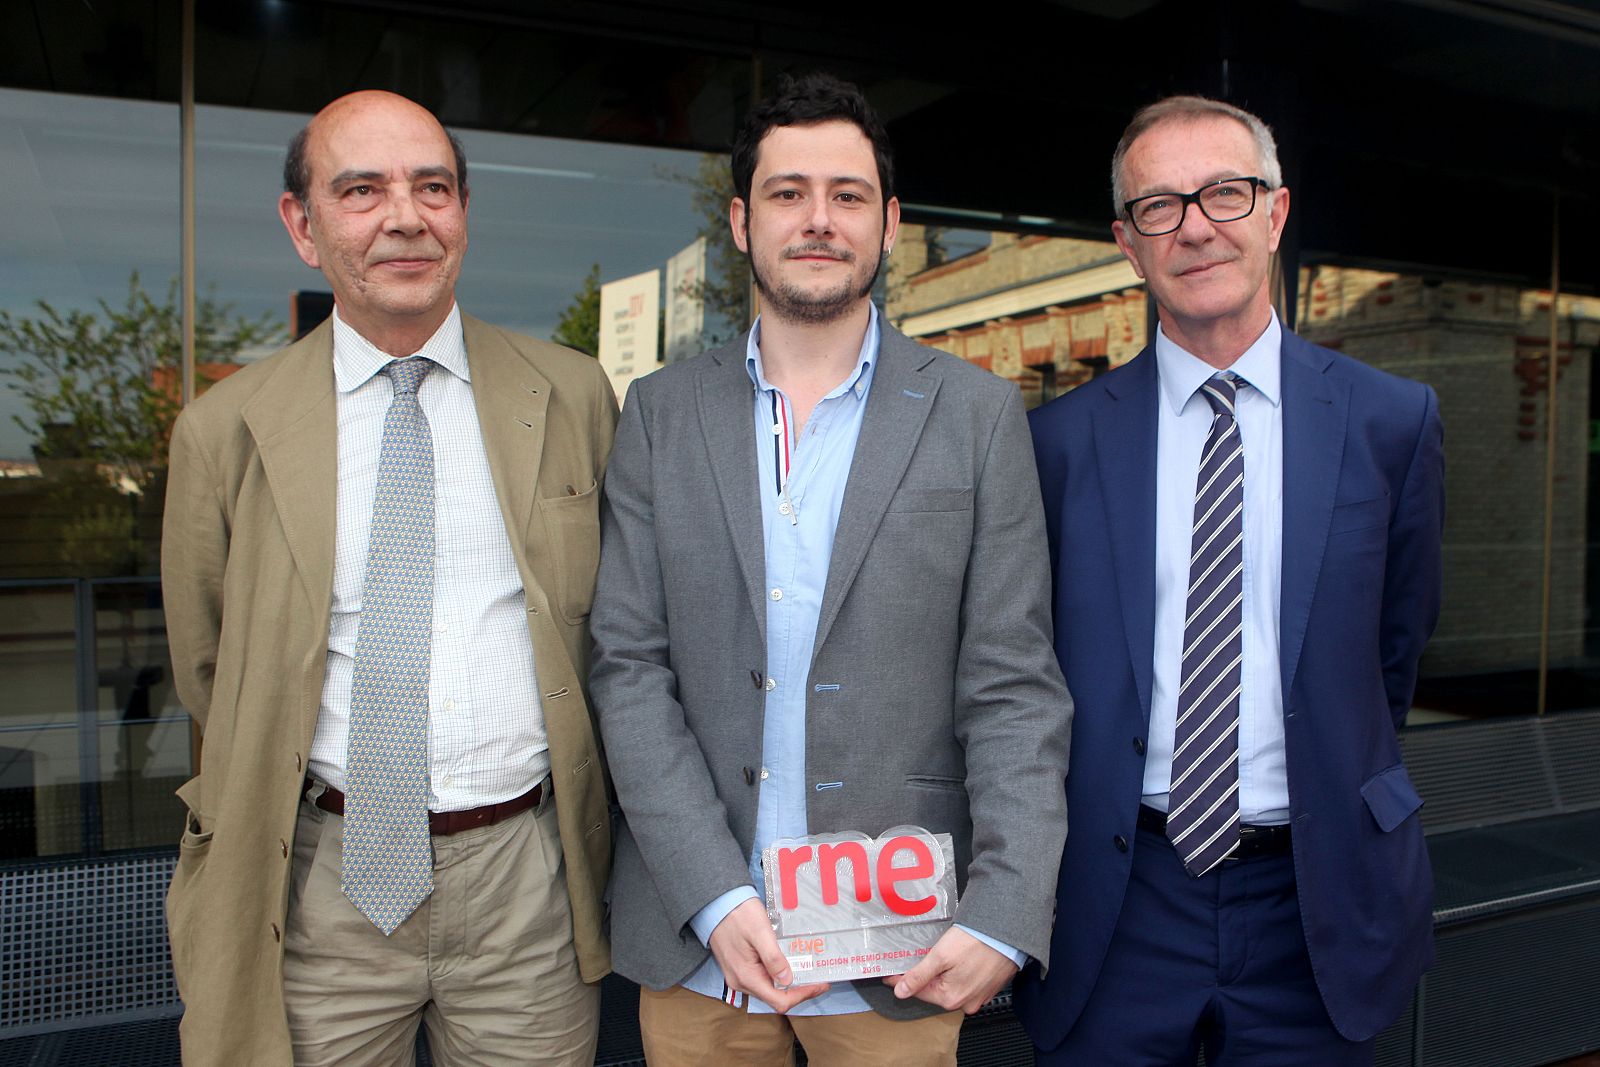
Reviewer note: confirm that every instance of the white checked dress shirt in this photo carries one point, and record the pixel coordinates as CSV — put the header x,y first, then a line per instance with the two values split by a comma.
x,y
486,736
1183,422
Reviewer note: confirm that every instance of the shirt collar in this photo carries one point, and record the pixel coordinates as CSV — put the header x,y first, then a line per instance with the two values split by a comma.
x,y
859,380
1182,373
356,359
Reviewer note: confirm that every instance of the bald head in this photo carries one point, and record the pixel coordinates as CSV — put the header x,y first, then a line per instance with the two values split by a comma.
x,y
351,107
375,202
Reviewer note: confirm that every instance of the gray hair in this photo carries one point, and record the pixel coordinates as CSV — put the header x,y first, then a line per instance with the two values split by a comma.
x,y
1187,109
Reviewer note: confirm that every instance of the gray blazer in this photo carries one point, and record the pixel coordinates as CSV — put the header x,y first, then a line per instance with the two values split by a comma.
x,y
950,711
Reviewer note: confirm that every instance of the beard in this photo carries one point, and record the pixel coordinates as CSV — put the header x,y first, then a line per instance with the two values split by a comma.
x,y
813,307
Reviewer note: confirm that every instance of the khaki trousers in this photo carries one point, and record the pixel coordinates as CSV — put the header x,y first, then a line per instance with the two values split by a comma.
x,y
682,1028
487,959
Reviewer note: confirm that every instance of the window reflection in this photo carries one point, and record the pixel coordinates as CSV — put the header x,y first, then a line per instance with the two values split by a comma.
x,y
143,733
38,720
92,739
1050,313
1484,349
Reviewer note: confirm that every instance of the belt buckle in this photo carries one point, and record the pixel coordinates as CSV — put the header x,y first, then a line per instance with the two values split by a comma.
x,y
1255,840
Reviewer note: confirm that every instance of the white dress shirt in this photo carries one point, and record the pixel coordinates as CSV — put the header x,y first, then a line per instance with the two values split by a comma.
x,y
486,736
1182,426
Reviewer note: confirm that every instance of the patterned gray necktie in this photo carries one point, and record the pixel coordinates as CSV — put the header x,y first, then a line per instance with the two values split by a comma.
x,y
1203,815
388,857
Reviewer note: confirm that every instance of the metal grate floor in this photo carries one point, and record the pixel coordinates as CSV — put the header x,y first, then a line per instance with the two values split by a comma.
x,y
84,938
153,1043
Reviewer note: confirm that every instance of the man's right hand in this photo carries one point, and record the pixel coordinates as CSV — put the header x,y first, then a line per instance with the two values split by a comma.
x,y
751,962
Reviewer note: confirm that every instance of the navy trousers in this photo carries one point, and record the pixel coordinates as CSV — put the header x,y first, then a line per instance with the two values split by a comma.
x,y
1217,962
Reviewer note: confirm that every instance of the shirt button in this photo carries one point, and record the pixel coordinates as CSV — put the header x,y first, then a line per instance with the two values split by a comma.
x,y
777,594
450,704
447,781
772,683
784,508
765,774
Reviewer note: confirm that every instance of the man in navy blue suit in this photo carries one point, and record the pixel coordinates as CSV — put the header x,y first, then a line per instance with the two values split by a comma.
x,y
1245,534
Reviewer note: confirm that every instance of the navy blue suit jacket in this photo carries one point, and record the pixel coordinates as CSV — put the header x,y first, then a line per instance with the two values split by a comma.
x,y
1363,506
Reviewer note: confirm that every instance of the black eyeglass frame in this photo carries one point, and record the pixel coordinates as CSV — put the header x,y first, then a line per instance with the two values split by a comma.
x,y
1256,184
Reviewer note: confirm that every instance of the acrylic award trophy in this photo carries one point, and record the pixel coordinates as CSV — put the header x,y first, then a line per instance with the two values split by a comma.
x,y
848,906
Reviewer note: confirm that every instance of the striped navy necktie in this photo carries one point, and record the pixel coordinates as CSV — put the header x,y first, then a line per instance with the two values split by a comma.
x,y
1203,799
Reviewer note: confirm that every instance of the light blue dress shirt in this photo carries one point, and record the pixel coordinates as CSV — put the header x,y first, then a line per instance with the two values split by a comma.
x,y
799,546
1183,423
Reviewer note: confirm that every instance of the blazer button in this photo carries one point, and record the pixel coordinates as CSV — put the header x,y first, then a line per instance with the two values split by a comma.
x,y
1138,745
276,935
755,676
749,776
1121,843
285,846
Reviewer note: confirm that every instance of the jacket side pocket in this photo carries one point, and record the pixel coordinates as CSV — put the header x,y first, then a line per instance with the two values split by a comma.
x,y
1391,797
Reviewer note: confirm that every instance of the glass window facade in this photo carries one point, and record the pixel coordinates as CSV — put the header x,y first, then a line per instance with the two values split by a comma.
x,y
1050,313
93,741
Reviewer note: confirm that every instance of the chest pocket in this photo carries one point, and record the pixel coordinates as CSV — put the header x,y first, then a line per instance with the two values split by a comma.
x,y
1360,515
958,498
572,523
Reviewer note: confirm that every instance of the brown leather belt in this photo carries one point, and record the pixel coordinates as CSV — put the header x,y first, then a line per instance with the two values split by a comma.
x,y
440,823
1253,840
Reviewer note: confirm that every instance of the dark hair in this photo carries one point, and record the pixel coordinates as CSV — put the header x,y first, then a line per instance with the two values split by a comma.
x,y
806,101
297,170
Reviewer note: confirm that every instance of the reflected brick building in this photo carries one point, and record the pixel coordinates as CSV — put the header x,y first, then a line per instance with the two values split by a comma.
x,y
1050,313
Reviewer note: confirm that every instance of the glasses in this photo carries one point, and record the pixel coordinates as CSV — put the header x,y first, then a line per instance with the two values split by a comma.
x,y
1226,201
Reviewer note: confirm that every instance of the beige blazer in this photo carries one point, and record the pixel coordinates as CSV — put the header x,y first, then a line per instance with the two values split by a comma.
x,y
247,575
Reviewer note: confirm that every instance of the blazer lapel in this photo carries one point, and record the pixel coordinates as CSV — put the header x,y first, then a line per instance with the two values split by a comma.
x,y
727,415
294,420
1316,406
1125,444
897,409
511,397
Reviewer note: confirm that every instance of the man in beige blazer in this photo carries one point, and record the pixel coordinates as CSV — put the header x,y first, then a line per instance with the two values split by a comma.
x,y
273,563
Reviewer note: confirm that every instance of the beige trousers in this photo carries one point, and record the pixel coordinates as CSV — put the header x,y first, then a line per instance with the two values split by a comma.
x,y
682,1028
487,959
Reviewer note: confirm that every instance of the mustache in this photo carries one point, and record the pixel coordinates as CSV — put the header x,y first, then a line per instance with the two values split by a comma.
x,y
424,249
819,248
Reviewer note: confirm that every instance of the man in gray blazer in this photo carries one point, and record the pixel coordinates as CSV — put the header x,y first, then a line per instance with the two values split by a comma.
x,y
822,606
